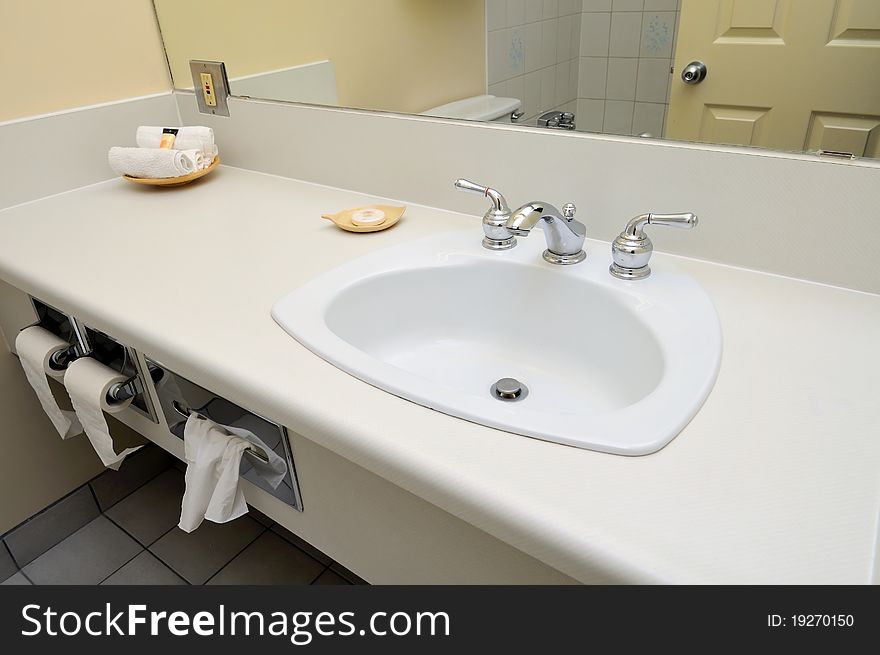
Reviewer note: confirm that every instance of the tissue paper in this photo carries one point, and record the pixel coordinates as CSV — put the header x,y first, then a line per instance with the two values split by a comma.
x,y
213,458
35,346
88,381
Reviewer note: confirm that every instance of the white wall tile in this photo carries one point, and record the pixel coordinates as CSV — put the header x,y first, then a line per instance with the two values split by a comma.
x,y
498,89
563,80
516,88
569,7
574,77
626,34
548,88
534,10
597,5
653,80
661,5
532,93
590,115
618,117
532,44
576,36
516,13
498,43
548,42
563,39
595,33
516,52
627,5
621,83
593,72
496,14
550,9
648,117
658,31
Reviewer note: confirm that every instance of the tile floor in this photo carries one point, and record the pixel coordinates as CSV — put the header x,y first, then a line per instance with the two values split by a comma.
x,y
129,536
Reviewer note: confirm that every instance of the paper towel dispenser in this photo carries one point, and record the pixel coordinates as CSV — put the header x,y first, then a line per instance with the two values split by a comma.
x,y
178,397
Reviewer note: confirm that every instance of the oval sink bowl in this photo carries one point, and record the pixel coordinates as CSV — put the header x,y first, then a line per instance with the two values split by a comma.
x,y
593,361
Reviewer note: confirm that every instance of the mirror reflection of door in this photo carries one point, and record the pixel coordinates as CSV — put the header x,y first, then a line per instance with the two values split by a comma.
x,y
785,74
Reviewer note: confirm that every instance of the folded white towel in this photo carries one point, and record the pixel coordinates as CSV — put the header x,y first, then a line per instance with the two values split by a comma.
x,y
188,138
154,163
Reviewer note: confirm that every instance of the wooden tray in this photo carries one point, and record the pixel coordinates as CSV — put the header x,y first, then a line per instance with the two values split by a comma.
x,y
174,181
343,218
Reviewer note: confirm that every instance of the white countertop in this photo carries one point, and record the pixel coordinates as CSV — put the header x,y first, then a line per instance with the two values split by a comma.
x,y
777,479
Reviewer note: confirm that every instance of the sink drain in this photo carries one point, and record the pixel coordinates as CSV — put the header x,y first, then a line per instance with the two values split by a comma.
x,y
509,390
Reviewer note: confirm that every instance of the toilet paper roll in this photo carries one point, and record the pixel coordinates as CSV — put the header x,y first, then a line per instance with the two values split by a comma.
x,y
35,346
88,382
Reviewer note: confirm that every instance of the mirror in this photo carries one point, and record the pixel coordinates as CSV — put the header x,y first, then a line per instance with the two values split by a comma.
x,y
782,74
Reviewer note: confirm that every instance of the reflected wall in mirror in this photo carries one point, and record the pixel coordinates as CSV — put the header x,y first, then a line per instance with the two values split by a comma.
x,y
790,75
391,55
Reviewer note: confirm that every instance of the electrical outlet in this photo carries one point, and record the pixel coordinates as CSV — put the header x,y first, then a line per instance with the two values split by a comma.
x,y
208,89
211,86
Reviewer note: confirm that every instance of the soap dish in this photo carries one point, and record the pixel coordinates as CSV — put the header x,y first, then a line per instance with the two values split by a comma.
x,y
367,219
174,181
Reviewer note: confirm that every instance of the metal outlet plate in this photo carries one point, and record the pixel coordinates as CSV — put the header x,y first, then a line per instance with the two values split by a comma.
x,y
219,86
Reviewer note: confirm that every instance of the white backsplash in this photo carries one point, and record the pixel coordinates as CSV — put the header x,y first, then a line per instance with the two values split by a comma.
x,y
65,150
789,214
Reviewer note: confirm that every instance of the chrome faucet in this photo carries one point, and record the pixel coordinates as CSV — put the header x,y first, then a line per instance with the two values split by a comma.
x,y
496,236
565,236
631,251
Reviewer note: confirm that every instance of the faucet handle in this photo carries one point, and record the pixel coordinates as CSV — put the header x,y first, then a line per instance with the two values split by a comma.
x,y
568,211
496,235
500,204
631,251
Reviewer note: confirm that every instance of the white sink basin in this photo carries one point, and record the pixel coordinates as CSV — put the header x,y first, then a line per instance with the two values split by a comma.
x,y
609,365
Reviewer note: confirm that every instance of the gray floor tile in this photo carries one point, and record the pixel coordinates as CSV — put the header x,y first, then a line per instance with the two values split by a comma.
x,y
85,557
286,534
270,560
143,570
7,564
198,555
112,486
17,580
328,577
43,531
151,511
351,576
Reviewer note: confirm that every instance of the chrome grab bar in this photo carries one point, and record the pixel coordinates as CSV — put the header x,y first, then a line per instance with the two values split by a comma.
x,y
185,413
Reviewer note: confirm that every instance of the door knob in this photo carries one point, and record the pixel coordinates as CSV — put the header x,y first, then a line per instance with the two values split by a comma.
x,y
694,73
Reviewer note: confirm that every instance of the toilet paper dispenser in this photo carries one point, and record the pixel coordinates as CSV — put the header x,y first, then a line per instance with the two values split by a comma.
x,y
179,397
63,326
87,341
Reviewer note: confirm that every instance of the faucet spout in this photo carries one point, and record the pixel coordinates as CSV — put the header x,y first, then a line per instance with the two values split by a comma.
x,y
525,218
565,236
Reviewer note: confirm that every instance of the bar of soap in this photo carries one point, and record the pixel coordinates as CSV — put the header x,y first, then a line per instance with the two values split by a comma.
x,y
368,216
367,219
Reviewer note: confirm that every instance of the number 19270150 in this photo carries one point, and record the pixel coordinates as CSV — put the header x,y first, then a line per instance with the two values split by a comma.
x,y
810,621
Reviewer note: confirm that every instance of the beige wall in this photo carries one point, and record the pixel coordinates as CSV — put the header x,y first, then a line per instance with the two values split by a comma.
x,y
57,54
396,55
